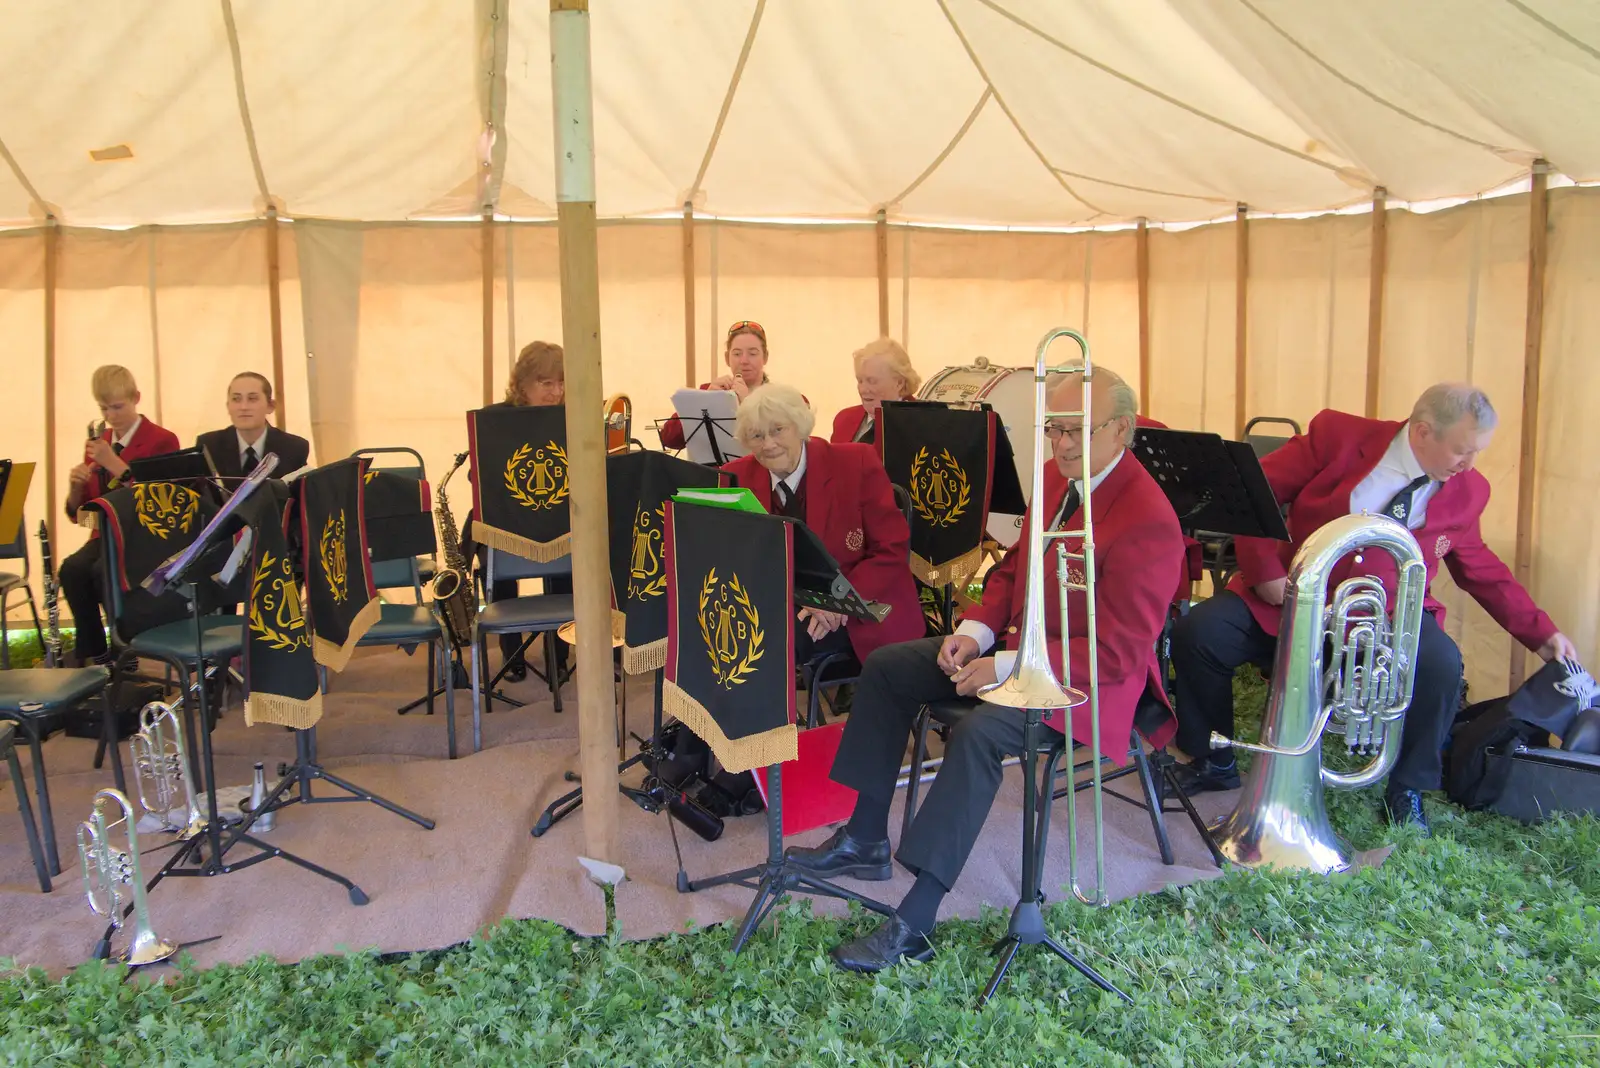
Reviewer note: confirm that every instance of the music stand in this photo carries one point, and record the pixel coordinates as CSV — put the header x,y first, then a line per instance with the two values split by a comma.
x,y
711,442
1213,484
825,587
184,571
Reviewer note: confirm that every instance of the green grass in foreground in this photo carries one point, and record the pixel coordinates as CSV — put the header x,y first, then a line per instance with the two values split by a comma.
x,y
1479,946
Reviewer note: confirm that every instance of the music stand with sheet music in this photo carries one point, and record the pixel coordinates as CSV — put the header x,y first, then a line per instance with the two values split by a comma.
x,y
183,572
711,412
1214,485
818,583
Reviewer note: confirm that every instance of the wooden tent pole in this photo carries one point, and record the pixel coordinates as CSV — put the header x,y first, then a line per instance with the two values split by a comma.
x,y
580,334
1241,319
1380,267
1142,260
52,269
882,229
275,313
487,244
1532,355
688,294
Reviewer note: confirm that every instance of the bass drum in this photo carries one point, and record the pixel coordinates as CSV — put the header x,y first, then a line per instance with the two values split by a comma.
x,y
1009,391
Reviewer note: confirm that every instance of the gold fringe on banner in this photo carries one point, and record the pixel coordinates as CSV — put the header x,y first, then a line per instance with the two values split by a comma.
x,y
337,657
641,659
282,711
541,552
776,746
957,572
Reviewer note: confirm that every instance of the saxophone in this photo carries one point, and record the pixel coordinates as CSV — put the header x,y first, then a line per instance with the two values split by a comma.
x,y
52,606
453,599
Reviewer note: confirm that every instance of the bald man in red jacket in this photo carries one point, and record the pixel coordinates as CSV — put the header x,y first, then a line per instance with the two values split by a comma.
x,y
1420,472
1138,550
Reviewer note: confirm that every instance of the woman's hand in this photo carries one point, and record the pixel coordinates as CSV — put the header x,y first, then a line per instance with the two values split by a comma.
x,y
820,624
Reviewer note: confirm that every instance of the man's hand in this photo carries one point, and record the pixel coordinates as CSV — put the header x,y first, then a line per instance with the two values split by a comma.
x,y
1559,647
956,651
102,453
80,474
1272,592
974,677
820,624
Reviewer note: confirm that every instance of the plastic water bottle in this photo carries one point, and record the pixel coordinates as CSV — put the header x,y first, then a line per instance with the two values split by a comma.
x,y
258,797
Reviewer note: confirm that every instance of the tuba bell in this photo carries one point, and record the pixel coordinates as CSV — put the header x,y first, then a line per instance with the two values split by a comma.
x,y
161,771
111,877
1345,667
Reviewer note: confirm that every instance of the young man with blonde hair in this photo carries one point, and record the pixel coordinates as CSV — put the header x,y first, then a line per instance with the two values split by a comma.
x,y
127,436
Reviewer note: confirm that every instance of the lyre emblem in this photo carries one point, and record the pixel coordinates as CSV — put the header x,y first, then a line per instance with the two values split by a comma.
x,y
940,490
855,540
335,561
275,614
730,626
537,478
645,575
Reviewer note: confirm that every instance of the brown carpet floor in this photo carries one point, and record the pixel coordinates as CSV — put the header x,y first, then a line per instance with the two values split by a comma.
x,y
431,889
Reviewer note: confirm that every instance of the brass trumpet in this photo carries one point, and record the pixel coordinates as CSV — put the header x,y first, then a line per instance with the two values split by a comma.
x,y
161,770
112,876
1361,688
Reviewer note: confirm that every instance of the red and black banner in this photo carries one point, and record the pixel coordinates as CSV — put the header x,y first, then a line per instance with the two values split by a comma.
x,y
638,486
399,515
730,632
340,593
944,458
280,670
521,498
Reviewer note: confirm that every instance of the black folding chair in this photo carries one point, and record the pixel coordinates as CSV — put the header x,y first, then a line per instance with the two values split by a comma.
x,y
536,616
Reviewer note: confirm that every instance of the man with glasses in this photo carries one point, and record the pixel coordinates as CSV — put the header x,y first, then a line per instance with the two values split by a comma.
x,y
1138,553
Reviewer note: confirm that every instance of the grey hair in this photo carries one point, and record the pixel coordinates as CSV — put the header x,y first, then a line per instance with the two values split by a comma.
x,y
769,405
1445,404
1124,401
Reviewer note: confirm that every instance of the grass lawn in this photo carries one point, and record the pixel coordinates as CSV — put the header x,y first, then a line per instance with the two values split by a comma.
x,y
1478,946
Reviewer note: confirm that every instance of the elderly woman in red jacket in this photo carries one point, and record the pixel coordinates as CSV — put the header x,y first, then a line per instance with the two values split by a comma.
x,y
841,492
883,372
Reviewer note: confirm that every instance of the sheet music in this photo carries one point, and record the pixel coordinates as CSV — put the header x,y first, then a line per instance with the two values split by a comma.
x,y
692,405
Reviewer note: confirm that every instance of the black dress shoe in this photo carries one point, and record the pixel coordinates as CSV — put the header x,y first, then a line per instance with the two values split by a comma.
x,y
1405,806
843,855
1204,775
515,673
885,947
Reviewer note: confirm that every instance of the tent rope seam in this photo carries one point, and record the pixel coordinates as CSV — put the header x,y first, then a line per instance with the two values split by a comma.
x,y
727,98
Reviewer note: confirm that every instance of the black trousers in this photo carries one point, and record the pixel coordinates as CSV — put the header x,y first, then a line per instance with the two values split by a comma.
x,y
1220,634
83,586
896,681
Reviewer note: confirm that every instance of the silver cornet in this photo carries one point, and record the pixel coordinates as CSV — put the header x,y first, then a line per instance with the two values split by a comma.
x,y
161,771
112,876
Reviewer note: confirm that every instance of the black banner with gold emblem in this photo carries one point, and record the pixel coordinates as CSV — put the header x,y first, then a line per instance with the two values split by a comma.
x,y
280,670
730,632
944,458
638,486
151,522
340,595
520,494
399,515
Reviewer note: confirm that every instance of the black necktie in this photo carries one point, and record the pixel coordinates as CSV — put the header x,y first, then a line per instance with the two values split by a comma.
x,y
784,497
116,447
1399,506
1069,505
249,458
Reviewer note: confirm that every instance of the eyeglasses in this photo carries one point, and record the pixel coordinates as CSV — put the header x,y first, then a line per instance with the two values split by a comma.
x,y
747,326
1055,433
758,436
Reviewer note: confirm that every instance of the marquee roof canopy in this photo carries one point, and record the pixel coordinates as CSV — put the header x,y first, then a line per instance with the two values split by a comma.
x,y
1017,112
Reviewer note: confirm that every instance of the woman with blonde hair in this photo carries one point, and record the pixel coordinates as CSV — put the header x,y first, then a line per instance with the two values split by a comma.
x,y
883,372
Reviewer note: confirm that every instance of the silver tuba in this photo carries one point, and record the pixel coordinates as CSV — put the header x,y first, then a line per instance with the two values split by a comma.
x,y
1033,683
111,876
161,771
1360,687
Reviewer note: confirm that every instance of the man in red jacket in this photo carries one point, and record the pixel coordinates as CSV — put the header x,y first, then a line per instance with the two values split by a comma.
x,y
1138,550
127,436
1419,472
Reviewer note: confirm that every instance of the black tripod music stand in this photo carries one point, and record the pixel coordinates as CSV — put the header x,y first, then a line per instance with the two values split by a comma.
x,y
1213,484
1027,927
710,425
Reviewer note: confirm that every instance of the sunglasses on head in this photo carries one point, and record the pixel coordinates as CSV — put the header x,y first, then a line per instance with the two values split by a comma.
x,y
747,326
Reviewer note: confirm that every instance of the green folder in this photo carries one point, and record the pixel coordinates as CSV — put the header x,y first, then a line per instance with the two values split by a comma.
x,y
738,499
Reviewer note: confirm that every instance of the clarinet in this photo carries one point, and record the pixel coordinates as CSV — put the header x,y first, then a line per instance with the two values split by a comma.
x,y
52,606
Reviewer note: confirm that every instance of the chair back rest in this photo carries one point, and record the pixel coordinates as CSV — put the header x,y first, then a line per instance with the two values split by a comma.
x,y
17,547
902,498
397,574
1263,444
503,566
419,470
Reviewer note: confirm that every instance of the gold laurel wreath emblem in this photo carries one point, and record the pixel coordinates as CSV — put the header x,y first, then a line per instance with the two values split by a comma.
x,y
335,563
284,604
732,676
946,516
656,586
163,507
538,500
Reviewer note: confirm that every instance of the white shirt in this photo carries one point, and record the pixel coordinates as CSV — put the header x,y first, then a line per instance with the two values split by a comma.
x,y
792,479
980,633
132,430
260,445
866,425
1395,471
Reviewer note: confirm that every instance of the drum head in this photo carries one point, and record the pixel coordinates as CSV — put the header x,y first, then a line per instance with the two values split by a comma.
x,y
1009,391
